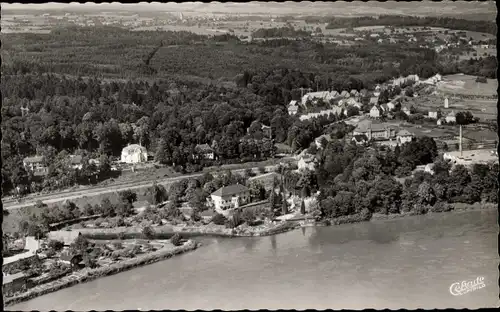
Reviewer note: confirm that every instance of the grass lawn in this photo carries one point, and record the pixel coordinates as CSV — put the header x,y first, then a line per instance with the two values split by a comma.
x,y
467,85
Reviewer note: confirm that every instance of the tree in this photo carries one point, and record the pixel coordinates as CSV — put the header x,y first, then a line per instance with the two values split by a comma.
x,y
219,219
176,239
80,245
284,207
303,207
128,196
148,232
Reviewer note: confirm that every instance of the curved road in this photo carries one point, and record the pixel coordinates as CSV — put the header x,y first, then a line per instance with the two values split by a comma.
x,y
58,197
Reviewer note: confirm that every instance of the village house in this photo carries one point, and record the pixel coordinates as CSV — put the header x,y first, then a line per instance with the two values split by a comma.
x,y
204,151
326,96
391,106
134,153
451,117
207,215
32,244
66,237
74,260
374,131
76,161
229,197
293,108
354,93
373,100
306,163
433,115
345,94
403,136
377,91
375,112
406,110
334,94
385,108
360,139
36,164
380,40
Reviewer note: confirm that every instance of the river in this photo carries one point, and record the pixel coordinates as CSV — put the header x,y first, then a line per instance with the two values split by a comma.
x,y
405,263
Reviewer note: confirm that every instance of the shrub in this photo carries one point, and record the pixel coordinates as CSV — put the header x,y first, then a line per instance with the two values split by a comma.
x,y
176,239
117,245
55,245
248,216
262,169
121,235
148,232
219,219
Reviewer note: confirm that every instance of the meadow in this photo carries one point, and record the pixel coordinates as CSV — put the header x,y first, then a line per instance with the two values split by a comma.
x,y
466,85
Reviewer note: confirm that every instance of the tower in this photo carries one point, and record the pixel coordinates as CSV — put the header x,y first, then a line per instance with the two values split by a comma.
x,y
446,105
460,142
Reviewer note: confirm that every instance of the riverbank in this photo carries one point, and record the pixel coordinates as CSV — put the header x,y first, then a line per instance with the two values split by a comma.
x,y
87,275
166,231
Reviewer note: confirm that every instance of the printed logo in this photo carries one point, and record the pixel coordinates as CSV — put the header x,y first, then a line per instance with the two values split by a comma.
x,y
458,289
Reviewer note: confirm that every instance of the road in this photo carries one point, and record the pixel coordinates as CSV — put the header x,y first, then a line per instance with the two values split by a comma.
x,y
58,197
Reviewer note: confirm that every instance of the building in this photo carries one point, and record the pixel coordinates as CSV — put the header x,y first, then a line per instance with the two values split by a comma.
x,y
293,108
446,104
375,112
403,136
32,244
75,161
354,93
451,117
229,197
385,108
374,131
406,110
345,94
13,283
360,139
204,151
134,153
306,163
36,164
267,131
373,100
66,237
334,94
74,260
326,96
433,115
391,106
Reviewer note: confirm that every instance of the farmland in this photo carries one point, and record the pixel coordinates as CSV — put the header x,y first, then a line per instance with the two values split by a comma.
x,y
467,85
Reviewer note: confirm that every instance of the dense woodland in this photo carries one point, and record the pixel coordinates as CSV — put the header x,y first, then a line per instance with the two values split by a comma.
x,y
92,91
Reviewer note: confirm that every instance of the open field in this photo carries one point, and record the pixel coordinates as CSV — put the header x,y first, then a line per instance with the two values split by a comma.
x,y
467,85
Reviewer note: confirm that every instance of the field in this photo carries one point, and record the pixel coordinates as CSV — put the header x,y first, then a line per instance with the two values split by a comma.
x,y
467,85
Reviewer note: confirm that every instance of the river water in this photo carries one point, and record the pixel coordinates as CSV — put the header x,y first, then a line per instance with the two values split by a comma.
x,y
404,263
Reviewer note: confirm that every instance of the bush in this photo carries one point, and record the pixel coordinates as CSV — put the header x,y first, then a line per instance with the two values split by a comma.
x,y
262,169
248,216
219,219
55,245
176,239
117,245
148,232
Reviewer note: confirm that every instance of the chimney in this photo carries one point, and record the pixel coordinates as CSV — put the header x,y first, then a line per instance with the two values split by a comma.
x,y
460,144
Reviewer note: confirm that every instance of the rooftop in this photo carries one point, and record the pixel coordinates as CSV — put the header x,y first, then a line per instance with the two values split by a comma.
x,y
230,190
403,132
33,159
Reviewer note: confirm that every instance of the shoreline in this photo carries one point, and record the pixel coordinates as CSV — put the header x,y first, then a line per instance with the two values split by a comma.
x,y
93,274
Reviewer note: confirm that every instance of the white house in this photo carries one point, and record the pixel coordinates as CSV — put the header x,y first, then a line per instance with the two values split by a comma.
x,y
36,165
406,110
205,151
229,197
403,136
76,161
433,115
451,117
375,112
306,163
319,139
293,108
134,153
391,105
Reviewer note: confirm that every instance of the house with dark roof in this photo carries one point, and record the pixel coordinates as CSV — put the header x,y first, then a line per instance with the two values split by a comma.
x,y
360,139
204,151
74,260
374,131
375,112
404,136
229,197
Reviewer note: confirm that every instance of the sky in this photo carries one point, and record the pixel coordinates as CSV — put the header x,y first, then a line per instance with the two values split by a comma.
x,y
305,7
